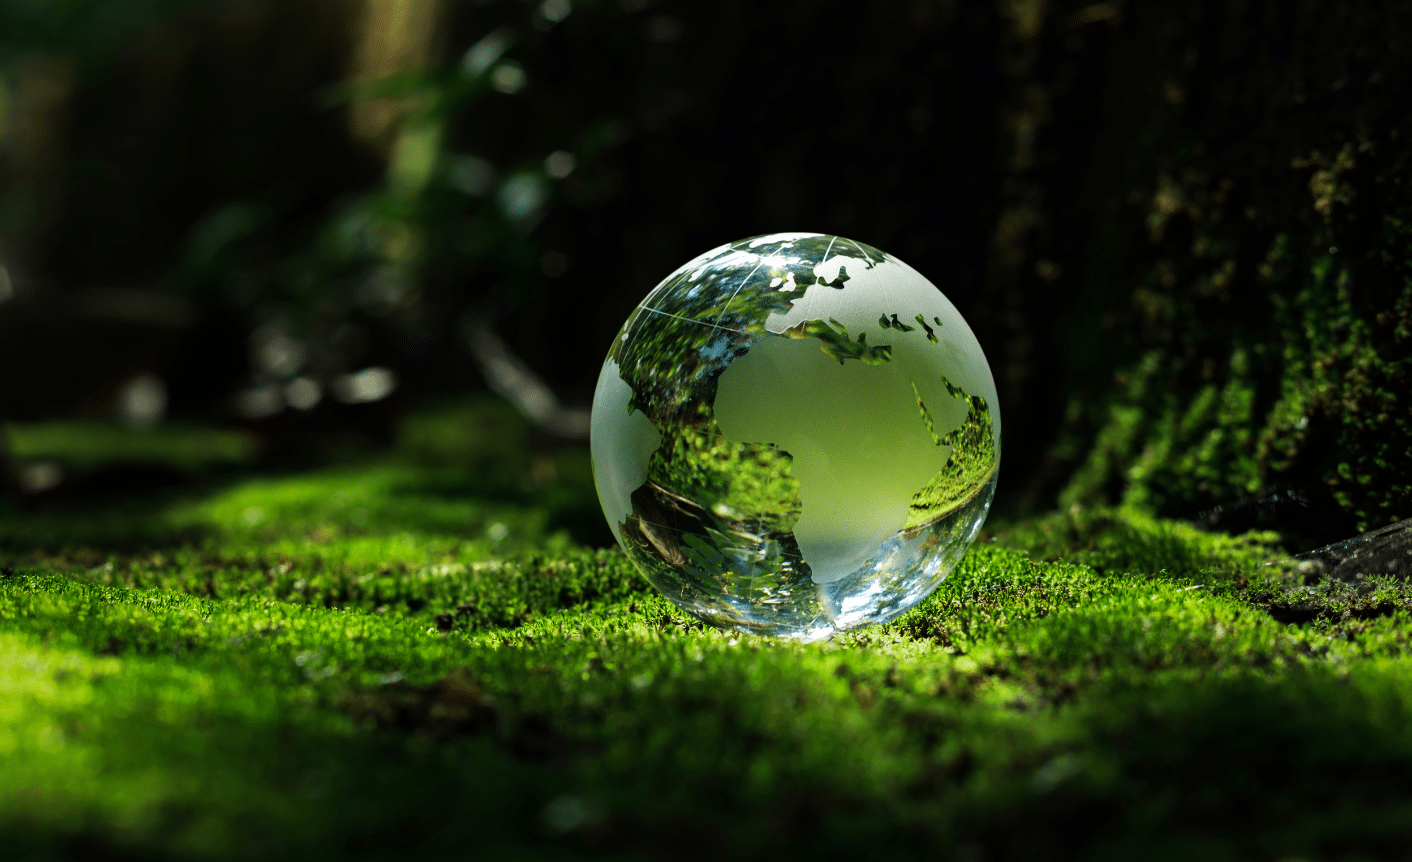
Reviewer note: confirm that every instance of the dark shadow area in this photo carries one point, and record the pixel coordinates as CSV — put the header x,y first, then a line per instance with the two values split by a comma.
x,y
1176,231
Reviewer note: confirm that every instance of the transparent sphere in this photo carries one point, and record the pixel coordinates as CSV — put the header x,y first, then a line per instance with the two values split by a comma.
x,y
795,435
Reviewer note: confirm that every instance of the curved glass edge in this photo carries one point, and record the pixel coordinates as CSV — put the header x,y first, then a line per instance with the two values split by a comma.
x,y
764,585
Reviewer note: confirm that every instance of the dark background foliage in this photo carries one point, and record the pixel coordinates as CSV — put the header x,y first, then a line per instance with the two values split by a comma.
x,y
1179,230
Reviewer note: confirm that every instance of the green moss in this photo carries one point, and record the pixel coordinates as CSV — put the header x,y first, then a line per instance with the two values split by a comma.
x,y
1252,275
322,683
87,444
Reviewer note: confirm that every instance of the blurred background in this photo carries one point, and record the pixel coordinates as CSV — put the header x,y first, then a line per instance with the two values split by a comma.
x,y
300,220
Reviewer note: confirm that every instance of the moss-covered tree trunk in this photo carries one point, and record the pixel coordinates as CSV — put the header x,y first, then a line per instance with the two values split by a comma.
x,y
1238,251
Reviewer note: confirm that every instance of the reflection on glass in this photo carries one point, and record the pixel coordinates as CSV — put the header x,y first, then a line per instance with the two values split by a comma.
x,y
795,434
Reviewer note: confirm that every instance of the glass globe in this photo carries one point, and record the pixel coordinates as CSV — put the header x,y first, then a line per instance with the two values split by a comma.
x,y
795,435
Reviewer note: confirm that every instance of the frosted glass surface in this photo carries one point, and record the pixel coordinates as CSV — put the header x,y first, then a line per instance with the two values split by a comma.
x,y
795,434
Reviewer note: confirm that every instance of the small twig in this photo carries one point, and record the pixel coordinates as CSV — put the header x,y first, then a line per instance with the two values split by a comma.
x,y
509,376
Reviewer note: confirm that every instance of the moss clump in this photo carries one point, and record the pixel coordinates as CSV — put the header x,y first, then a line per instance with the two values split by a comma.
x,y
324,684
94,443
1258,273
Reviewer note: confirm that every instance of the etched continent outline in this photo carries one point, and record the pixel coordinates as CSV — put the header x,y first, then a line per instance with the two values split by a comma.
x,y
866,432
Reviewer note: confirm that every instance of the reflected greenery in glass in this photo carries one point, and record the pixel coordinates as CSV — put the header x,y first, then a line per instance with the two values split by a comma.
x,y
795,435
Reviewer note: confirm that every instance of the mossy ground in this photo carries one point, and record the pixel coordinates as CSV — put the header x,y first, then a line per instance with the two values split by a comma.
x,y
421,652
